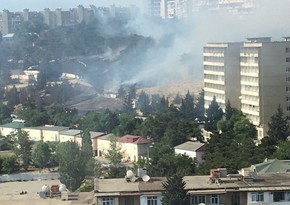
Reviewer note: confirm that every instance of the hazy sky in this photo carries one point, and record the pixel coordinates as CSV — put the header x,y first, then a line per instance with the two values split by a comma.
x,y
37,5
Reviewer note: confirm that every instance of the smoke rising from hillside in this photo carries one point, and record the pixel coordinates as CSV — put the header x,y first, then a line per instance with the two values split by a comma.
x,y
176,48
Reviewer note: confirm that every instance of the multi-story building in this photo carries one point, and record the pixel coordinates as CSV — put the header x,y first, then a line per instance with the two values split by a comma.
x,y
217,189
222,73
253,76
5,22
265,80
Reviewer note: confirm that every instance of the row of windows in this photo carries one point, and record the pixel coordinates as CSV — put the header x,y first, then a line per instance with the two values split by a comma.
x,y
250,88
214,59
249,59
250,69
214,68
250,98
196,200
214,77
214,86
249,79
213,50
211,95
250,107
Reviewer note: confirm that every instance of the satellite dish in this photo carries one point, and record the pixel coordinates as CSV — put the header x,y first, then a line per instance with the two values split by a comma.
x,y
45,188
133,179
129,174
145,178
62,187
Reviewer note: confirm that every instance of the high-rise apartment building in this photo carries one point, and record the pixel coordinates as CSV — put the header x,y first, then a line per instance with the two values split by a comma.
x,y
5,22
222,73
265,80
257,81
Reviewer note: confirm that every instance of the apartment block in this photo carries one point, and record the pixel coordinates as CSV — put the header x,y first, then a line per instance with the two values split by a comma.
x,y
222,73
265,80
254,76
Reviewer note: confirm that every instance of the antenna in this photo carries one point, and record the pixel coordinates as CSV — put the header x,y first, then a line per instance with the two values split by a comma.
x,y
145,178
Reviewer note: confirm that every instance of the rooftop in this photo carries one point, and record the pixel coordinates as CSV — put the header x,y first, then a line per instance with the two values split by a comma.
x,y
71,132
190,146
49,128
194,184
96,134
134,139
273,166
15,125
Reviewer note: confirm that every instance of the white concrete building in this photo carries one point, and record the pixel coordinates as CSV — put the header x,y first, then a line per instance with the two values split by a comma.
x,y
194,150
222,73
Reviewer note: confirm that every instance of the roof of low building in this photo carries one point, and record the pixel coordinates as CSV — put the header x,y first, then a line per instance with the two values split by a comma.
x,y
105,137
134,139
49,128
96,134
15,125
71,132
273,166
190,146
195,184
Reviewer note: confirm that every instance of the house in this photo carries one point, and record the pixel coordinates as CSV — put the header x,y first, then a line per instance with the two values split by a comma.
x,y
46,133
132,147
71,135
194,150
94,138
272,166
219,188
11,128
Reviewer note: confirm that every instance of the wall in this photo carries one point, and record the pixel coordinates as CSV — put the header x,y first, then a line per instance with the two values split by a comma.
x,y
33,134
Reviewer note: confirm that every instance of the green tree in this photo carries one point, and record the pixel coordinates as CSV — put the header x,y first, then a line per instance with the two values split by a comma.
x,y
10,164
187,106
143,103
175,193
41,155
199,110
114,154
72,164
278,126
23,148
283,151
213,114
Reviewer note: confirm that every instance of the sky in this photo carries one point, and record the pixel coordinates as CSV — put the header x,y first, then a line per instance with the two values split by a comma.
x,y
38,5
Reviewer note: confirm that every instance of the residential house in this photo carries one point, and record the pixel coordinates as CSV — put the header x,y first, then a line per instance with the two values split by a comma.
x,y
219,188
11,128
94,138
194,150
132,147
46,133
272,166
71,135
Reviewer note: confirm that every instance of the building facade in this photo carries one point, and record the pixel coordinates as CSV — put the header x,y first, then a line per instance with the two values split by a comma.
x,y
222,73
220,189
254,76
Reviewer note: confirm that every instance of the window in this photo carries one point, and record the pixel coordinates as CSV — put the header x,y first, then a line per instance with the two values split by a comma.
x,y
279,196
287,79
287,50
288,69
288,99
152,200
287,89
195,200
214,199
257,196
288,108
287,59
108,201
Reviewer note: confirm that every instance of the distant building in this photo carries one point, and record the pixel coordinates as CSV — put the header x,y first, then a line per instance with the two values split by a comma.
x,y
272,166
11,128
94,137
194,150
218,189
254,76
132,147
47,133
72,135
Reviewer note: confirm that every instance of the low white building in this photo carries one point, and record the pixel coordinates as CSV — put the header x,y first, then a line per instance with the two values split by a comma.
x,y
10,128
194,150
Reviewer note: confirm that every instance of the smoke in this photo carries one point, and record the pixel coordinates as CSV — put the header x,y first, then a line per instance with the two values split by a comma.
x,y
151,51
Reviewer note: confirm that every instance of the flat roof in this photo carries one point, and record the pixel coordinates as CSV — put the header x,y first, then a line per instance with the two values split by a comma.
x,y
49,128
71,132
195,184
15,125
96,134
190,146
